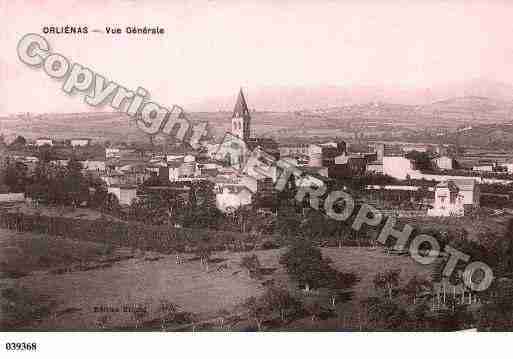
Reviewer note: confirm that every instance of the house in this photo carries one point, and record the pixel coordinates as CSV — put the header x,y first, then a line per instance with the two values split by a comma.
x,y
312,177
211,150
229,197
124,193
417,148
114,178
484,166
60,162
374,163
12,197
509,167
347,165
261,165
80,142
374,167
93,165
444,163
208,169
300,149
179,167
171,172
261,184
42,141
172,158
455,198
112,152
326,154
399,167
268,145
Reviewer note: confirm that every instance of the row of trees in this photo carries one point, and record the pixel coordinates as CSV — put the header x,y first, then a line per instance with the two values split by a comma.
x,y
55,184
413,306
65,185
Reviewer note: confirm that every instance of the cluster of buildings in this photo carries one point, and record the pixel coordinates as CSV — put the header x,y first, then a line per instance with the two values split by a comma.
x,y
455,198
125,169
74,142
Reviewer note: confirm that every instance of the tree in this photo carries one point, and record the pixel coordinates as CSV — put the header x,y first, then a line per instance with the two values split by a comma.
x,y
46,154
288,223
344,232
256,311
315,310
75,183
416,287
102,321
16,176
304,263
420,315
251,263
504,248
153,208
242,215
281,300
497,313
139,313
38,192
386,314
314,225
387,281
205,216
19,143
204,252
169,311
100,193
223,315
110,204
337,282
421,160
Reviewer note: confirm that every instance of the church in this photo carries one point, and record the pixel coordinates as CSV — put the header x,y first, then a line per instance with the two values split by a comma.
x,y
241,128
252,178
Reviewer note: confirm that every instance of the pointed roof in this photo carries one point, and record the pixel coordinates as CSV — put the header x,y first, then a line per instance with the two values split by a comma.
x,y
241,107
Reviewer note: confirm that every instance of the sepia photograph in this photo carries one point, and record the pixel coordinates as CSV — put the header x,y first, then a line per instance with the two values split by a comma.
x,y
255,166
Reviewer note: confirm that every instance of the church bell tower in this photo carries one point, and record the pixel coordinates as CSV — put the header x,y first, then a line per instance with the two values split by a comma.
x,y
241,119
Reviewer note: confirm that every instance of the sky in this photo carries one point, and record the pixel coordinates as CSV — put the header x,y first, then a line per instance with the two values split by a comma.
x,y
212,48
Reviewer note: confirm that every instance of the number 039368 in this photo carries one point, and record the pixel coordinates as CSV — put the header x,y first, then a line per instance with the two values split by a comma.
x,y
10,346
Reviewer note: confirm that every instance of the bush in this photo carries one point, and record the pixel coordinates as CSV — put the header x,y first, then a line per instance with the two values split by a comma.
x,y
305,264
269,245
252,264
164,239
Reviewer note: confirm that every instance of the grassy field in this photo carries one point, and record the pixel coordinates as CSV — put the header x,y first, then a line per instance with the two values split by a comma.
x,y
61,211
475,227
60,284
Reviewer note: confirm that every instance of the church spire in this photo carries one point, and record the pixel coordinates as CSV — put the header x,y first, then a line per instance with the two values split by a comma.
x,y
241,118
241,107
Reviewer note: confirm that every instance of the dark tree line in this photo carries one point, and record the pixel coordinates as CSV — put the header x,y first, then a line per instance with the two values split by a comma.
x,y
55,184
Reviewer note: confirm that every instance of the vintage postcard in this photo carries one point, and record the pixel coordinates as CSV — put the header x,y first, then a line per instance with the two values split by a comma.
x,y
261,166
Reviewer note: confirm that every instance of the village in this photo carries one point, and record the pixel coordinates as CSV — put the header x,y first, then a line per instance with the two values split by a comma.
x,y
174,205
432,177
